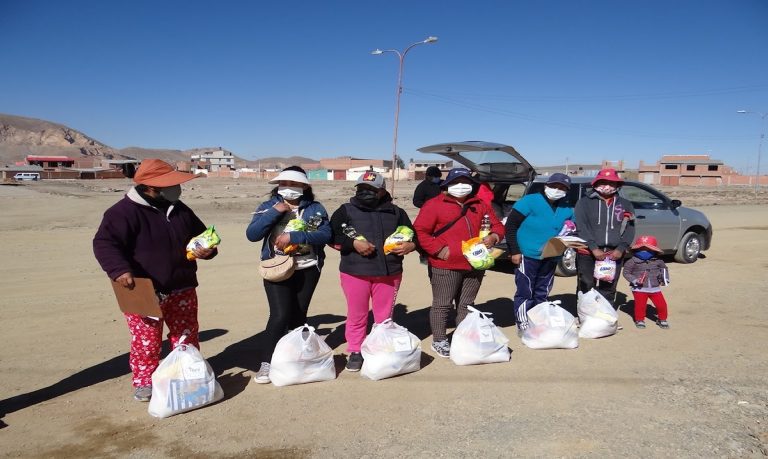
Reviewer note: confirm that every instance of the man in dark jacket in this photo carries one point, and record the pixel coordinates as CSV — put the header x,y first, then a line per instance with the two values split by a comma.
x,y
606,221
428,188
145,235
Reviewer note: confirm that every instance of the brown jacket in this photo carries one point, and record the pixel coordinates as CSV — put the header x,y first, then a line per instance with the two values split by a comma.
x,y
646,274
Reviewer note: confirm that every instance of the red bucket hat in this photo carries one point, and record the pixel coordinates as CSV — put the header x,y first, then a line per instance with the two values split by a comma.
x,y
607,175
648,242
156,172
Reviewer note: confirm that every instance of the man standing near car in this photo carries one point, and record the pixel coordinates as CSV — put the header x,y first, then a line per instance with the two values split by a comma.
x,y
606,222
533,220
428,188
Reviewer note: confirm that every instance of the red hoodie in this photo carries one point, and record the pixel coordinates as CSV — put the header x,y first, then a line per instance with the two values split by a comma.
x,y
443,209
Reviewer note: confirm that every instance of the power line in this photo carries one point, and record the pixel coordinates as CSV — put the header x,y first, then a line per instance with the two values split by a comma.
x,y
569,124
595,98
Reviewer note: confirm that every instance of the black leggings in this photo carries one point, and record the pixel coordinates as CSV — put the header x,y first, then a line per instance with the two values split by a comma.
x,y
288,304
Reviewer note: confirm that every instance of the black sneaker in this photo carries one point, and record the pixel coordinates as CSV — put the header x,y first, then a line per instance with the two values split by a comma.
x,y
442,348
355,361
640,324
663,324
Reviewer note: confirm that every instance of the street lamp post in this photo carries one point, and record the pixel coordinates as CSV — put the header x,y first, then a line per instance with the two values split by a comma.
x,y
759,145
401,58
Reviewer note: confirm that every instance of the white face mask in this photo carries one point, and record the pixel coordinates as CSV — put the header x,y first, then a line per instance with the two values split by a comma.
x,y
290,193
553,194
459,190
606,190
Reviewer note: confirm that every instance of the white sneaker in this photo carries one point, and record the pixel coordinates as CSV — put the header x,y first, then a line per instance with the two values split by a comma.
x,y
262,376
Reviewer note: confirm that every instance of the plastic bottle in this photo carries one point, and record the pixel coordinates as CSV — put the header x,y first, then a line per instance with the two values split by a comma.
x,y
485,226
351,232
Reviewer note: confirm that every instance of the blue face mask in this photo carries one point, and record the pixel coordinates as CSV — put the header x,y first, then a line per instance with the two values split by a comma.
x,y
436,180
644,255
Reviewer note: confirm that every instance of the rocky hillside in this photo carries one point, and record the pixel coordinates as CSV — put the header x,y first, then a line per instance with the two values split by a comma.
x,y
20,136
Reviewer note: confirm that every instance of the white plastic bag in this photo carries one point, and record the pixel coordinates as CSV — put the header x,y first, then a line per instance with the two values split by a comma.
x,y
598,318
605,270
301,356
390,350
550,327
182,382
477,340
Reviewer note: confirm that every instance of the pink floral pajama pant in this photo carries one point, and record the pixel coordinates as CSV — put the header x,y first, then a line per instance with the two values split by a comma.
x,y
180,313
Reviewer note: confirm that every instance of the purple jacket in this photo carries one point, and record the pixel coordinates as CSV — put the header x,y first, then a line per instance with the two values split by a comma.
x,y
138,238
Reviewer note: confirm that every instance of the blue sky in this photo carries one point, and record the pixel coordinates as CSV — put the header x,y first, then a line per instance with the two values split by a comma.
x,y
583,80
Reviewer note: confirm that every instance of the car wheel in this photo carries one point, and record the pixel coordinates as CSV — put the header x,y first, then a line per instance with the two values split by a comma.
x,y
566,267
689,249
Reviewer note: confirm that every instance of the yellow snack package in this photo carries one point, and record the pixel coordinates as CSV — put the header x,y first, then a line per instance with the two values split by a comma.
x,y
295,224
477,254
401,234
208,239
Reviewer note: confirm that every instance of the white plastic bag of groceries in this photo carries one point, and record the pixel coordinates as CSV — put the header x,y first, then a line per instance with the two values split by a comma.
x,y
598,318
182,382
301,356
550,327
390,350
478,340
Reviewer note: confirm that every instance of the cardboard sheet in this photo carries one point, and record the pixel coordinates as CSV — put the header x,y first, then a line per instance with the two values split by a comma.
x,y
142,300
557,245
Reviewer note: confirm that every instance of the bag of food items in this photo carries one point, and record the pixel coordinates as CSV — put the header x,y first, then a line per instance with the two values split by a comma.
x,y
550,327
477,254
208,239
294,224
390,350
301,356
478,340
605,270
401,234
597,316
182,382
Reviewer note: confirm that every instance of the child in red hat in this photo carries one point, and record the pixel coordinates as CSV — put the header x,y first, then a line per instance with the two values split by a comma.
x,y
647,273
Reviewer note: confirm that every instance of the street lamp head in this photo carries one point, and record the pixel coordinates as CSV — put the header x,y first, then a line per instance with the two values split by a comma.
x,y
430,40
377,51
741,111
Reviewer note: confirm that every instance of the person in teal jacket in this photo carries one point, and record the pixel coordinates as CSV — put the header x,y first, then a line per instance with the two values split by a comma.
x,y
533,220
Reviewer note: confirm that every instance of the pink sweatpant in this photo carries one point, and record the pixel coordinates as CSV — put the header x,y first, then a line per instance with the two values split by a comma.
x,y
361,291
180,313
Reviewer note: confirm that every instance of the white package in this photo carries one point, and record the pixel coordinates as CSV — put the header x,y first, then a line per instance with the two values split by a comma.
x,y
182,382
550,327
598,318
390,350
301,356
478,340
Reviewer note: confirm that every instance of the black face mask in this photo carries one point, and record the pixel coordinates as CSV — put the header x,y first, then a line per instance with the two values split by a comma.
x,y
368,198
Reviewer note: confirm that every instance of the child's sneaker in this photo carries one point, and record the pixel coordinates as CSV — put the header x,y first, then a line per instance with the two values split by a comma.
x,y
143,393
640,324
442,348
262,376
355,362
663,324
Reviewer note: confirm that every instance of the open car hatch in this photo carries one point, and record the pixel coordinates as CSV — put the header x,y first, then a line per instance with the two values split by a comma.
x,y
491,161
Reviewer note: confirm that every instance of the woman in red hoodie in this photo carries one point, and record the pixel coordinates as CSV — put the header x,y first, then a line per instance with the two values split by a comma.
x,y
442,224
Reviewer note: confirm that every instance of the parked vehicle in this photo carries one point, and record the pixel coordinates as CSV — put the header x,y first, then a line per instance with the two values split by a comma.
x,y
27,176
682,232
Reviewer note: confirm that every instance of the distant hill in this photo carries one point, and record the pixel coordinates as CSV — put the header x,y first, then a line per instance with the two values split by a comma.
x,y
20,136
278,162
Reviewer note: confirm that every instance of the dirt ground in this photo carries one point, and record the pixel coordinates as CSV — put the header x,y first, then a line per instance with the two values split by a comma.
x,y
696,390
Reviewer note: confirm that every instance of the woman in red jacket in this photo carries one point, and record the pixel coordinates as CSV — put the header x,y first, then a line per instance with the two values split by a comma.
x,y
442,224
